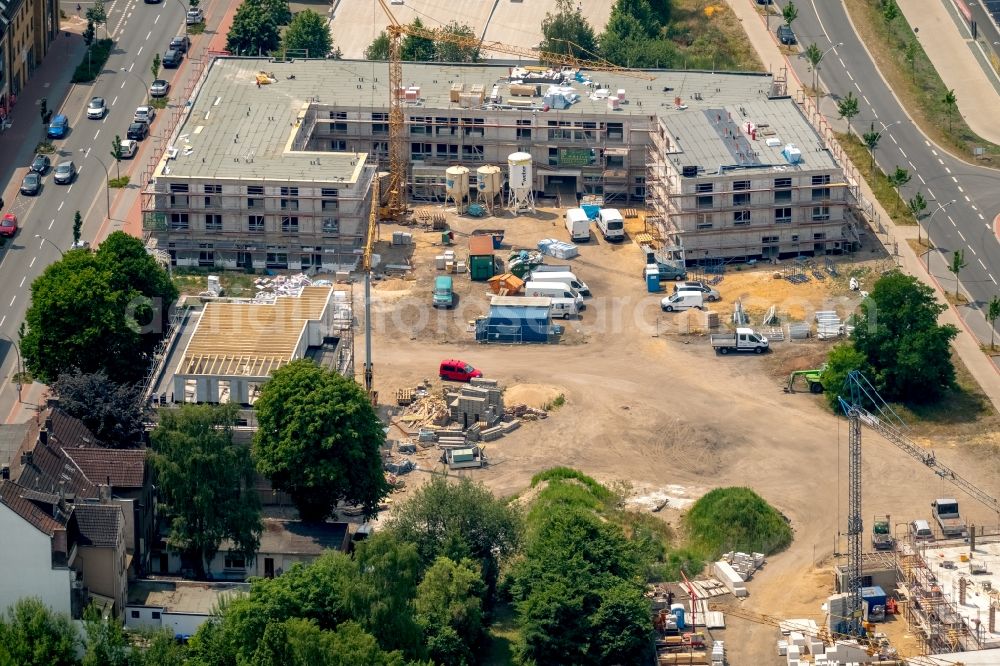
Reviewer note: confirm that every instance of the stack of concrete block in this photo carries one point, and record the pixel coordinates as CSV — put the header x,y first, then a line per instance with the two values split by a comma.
x,y
745,564
451,439
718,654
490,434
472,432
837,605
511,426
482,400
732,580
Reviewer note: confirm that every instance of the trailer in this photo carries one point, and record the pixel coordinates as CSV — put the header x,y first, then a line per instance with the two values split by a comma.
x,y
743,340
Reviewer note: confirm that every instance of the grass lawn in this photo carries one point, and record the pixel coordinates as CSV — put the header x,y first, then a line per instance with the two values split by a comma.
x,y
877,180
501,638
234,283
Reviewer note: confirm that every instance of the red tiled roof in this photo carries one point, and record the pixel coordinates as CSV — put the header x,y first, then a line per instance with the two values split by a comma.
x,y
69,431
124,467
51,471
12,497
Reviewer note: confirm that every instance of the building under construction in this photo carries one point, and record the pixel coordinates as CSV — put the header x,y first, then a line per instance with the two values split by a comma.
x,y
272,166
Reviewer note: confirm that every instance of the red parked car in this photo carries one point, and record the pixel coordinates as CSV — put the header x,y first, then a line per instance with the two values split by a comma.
x,y
458,371
8,225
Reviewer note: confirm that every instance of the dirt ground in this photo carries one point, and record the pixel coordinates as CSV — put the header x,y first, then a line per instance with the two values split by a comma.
x,y
650,403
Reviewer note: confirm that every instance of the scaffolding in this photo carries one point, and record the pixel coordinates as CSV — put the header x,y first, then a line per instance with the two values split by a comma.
x,y
930,615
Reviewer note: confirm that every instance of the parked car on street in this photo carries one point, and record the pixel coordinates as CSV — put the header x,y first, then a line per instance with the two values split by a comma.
x,y
64,174
31,185
160,88
195,16
41,164
58,127
137,131
180,43
172,59
97,108
458,371
129,148
785,35
144,114
8,225
711,295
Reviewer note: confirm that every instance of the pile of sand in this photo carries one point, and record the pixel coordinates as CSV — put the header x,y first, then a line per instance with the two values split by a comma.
x,y
532,395
394,284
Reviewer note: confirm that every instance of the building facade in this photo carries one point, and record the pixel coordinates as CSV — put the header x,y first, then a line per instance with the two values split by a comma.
x,y
721,188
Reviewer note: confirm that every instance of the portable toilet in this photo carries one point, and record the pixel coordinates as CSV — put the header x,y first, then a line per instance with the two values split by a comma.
x,y
653,279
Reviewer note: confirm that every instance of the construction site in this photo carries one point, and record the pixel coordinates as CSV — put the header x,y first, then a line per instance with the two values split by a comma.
x,y
461,186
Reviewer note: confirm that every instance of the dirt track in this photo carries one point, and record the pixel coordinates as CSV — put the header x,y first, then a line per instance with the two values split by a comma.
x,y
662,409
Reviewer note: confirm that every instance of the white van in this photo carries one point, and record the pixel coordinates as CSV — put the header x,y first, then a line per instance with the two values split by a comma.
x,y
920,530
578,225
564,307
564,277
683,300
553,290
611,224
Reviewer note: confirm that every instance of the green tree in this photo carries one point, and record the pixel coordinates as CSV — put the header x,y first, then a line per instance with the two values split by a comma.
x,y
206,482
88,37
117,154
105,643
622,627
103,310
992,314
890,12
379,48
155,67
917,205
567,31
663,9
789,13
450,598
98,15
910,55
159,648
254,30
897,333
44,112
77,227
460,519
871,139
319,440
950,102
814,54
33,635
897,179
278,9
309,36
415,47
115,413
641,11
625,43
956,266
842,360
448,51
848,108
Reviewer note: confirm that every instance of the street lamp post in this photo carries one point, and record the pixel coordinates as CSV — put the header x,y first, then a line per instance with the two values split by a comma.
x,y
940,208
46,240
20,366
878,135
140,79
816,72
107,180
183,17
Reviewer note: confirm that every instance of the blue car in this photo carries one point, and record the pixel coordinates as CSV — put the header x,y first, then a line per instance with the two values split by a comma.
x,y
58,126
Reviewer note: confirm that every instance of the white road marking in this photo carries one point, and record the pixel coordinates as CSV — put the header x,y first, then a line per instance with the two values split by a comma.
x,y
139,51
866,100
940,161
952,221
61,203
961,235
910,163
51,222
148,35
123,85
857,86
26,277
841,62
967,198
922,181
95,136
991,277
973,251
947,170
849,74
156,19
932,150
32,262
894,139
875,113
3,320
70,187
954,179
903,153
931,194
982,264
960,189
12,302
982,218
114,100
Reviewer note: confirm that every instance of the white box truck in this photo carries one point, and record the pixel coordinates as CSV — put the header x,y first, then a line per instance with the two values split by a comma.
x,y
611,225
553,290
578,225
566,277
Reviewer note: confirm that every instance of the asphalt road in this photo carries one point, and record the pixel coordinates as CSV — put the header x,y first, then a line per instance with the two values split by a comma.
x,y
140,31
966,224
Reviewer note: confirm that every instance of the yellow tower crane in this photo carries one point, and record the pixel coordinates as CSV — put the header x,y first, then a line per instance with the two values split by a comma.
x,y
366,266
395,207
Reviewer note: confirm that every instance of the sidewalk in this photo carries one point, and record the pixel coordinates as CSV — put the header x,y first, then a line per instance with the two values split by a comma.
x,y
950,51
127,209
966,345
51,80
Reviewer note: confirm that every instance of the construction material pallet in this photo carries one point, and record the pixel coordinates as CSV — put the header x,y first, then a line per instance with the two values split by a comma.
x,y
799,278
404,397
630,213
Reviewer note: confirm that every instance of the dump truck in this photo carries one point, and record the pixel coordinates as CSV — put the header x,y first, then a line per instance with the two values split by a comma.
x,y
946,514
881,534
743,340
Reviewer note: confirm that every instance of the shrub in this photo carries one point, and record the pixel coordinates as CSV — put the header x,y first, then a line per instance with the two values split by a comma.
x,y
91,66
735,519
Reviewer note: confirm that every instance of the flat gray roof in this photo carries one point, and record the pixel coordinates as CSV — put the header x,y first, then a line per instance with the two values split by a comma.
x,y
714,137
238,130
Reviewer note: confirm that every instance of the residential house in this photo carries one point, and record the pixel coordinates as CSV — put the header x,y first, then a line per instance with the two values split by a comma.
x,y
180,606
